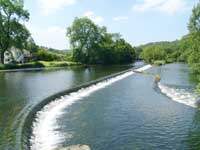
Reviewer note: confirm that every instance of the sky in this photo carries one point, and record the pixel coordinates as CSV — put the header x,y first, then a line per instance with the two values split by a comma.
x,y
138,21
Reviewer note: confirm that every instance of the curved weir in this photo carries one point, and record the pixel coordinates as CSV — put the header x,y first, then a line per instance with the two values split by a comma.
x,y
42,118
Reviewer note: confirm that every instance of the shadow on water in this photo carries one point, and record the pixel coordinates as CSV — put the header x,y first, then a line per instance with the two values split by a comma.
x,y
194,77
194,133
11,103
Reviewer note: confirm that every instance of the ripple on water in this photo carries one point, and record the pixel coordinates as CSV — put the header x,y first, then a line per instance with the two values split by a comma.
x,y
181,95
46,134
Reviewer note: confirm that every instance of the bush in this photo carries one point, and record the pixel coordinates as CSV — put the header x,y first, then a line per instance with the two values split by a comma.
x,y
21,66
31,65
39,64
198,88
170,60
44,55
152,53
159,62
2,66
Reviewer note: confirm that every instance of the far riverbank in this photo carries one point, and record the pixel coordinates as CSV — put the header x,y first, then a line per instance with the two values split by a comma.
x,y
39,65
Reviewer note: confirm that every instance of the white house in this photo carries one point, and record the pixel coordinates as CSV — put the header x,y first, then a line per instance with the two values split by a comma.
x,y
16,55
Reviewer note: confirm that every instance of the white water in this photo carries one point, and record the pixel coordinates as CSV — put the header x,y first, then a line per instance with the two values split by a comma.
x,y
46,134
183,96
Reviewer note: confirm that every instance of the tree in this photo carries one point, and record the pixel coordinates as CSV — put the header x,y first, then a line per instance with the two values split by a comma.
x,y
106,49
44,55
194,28
31,46
124,51
194,40
12,31
92,44
115,50
194,24
84,37
153,53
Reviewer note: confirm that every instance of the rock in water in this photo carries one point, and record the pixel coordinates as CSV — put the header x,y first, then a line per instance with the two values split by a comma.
x,y
157,78
76,147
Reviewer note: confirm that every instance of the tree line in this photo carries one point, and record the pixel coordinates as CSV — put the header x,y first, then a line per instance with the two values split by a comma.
x,y
90,44
187,49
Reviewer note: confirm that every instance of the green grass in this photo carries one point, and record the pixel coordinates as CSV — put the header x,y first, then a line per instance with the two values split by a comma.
x,y
38,64
198,88
159,62
58,63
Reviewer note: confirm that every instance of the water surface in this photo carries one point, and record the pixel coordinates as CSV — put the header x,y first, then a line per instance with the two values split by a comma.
x,y
20,91
129,114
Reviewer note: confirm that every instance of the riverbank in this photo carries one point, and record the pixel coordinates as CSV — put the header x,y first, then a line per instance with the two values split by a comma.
x,y
36,65
159,62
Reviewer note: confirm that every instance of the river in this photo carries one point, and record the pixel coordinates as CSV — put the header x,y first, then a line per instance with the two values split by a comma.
x,y
127,112
20,91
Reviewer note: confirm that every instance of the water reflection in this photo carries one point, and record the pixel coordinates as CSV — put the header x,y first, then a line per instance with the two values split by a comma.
x,y
194,133
21,90
129,115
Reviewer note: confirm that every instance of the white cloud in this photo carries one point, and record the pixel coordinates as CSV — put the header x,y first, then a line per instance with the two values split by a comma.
x,y
91,15
52,36
98,19
88,14
120,18
167,6
51,6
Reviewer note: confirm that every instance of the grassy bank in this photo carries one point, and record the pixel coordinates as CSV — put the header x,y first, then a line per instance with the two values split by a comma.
x,y
159,62
38,64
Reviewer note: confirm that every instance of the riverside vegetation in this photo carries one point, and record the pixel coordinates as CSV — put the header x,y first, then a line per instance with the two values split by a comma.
x,y
185,50
92,44
159,128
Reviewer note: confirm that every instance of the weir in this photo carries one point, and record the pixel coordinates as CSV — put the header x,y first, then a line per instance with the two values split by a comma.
x,y
76,93
180,95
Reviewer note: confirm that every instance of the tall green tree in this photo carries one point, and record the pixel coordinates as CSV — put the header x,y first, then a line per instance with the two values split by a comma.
x,y
194,24
84,37
153,53
125,53
194,28
92,44
31,45
12,31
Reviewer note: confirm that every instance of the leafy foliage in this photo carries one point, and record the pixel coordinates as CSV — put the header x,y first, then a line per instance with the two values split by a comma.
x,y
38,64
92,44
166,51
84,38
12,31
44,55
185,50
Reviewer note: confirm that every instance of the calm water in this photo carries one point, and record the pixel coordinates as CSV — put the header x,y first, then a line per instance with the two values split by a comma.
x,y
19,91
128,114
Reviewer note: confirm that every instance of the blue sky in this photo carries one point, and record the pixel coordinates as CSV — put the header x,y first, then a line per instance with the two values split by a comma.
x,y
138,21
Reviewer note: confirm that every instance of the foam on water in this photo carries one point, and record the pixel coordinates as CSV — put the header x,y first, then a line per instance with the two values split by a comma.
x,y
46,134
180,95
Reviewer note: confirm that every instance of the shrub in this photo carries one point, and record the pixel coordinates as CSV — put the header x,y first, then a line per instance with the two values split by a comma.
x,y
159,62
198,88
47,56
